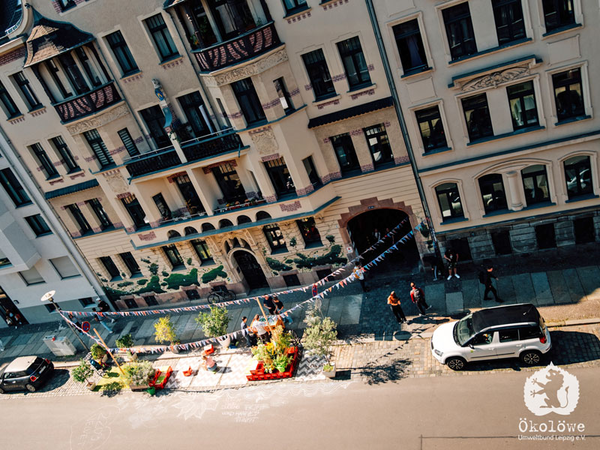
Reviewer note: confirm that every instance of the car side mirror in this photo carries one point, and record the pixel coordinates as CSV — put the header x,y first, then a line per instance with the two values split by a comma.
x,y
471,346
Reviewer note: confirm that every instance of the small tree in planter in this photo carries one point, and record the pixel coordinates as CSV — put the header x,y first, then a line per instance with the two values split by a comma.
x,y
126,341
215,323
318,337
138,374
98,352
82,372
165,332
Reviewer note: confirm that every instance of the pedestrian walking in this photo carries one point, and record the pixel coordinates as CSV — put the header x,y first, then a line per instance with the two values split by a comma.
x,y
485,278
452,258
396,308
103,307
268,303
99,318
279,310
417,295
359,273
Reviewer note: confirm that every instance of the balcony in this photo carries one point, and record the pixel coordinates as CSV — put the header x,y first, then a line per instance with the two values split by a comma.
x,y
152,162
211,146
88,103
238,49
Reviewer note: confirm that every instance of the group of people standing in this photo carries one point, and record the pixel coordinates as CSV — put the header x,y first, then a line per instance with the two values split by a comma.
x,y
417,296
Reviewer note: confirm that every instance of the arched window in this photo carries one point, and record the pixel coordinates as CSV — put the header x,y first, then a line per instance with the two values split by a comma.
x,y
190,230
578,173
449,200
224,223
243,219
172,234
492,193
535,183
207,227
261,215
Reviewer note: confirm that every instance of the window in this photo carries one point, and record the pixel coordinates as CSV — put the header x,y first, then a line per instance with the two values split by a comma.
x,y
232,17
87,66
223,113
128,142
13,188
558,14
510,25
318,73
492,193
120,50
509,335
161,36
202,251
8,104
521,98
110,267
192,201
66,4
345,153
44,161
32,276
137,214
53,70
155,122
173,256
280,176
230,184
284,95
449,200
131,303
4,261
193,105
379,144
535,183
291,280
82,223
483,339
275,238
87,301
584,230
28,95
568,94
248,101
65,267
313,176
545,236
410,46
163,208
66,156
100,213
431,128
73,73
459,30
97,145
477,116
578,173
501,242
38,225
309,232
355,65
130,263
294,6
530,332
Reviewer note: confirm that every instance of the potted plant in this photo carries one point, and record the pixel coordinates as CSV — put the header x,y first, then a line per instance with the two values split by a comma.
x,y
319,335
126,342
99,353
165,332
138,374
82,372
215,323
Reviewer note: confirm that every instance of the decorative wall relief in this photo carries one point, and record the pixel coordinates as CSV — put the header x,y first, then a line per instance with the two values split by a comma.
x,y
98,120
496,78
265,141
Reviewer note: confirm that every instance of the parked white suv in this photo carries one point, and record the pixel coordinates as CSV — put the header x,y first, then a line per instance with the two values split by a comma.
x,y
511,331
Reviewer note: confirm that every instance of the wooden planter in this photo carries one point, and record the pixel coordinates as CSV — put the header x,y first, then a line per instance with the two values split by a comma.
x,y
259,373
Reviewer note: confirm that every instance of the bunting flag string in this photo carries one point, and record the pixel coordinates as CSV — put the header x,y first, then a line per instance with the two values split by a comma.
x,y
322,282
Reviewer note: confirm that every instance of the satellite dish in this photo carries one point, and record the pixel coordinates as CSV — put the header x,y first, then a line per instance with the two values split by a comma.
x,y
48,296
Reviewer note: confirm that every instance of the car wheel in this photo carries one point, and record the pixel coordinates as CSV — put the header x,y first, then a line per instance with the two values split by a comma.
x,y
531,358
456,363
30,388
1,391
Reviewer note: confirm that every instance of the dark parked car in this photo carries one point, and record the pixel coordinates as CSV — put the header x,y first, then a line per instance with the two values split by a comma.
x,y
26,372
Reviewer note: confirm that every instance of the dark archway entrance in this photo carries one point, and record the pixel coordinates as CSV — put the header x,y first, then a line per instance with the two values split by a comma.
x,y
363,230
9,311
251,270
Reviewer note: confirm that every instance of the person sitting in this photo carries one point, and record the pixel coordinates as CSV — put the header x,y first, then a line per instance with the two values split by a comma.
x,y
209,364
259,327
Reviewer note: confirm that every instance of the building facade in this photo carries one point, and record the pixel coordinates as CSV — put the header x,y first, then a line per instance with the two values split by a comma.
x,y
193,144
498,98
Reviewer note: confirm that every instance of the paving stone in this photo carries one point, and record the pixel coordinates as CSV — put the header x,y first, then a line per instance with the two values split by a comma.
x,y
351,310
506,289
558,285
590,280
454,302
574,286
524,291
542,288
471,294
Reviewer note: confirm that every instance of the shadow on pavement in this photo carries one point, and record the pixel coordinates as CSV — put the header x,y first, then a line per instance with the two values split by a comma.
x,y
391,371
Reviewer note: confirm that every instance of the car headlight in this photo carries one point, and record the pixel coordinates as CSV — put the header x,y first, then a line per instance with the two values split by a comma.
x,y
437,352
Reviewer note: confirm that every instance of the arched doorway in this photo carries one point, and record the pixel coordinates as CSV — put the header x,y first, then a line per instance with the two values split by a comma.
x,y
363,230
251,270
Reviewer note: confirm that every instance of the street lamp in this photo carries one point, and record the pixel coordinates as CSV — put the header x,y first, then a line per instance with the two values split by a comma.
x,y
49,297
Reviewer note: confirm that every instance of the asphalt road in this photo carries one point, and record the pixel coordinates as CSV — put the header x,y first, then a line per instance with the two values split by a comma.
x,y
451,412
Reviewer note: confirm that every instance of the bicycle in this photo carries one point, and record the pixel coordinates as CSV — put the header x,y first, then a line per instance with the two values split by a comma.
x,y
219,294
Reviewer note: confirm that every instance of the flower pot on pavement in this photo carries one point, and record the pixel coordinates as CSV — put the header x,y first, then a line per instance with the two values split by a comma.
x,y
329,371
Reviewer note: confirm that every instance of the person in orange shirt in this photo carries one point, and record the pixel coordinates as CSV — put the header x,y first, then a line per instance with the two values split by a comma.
x,y
394,303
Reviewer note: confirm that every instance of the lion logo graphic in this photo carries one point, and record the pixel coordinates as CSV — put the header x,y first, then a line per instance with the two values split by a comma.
x,y
551,389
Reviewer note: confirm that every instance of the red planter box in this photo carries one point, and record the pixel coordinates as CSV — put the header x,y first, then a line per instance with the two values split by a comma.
x,y
259,373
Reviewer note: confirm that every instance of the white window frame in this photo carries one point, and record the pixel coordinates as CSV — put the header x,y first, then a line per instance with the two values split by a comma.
x,y
593,164
340,62
537,91
542,19
461,190
430,61
413,110
107,50
585,86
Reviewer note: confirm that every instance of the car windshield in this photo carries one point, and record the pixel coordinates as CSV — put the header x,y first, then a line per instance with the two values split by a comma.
x,y
463,330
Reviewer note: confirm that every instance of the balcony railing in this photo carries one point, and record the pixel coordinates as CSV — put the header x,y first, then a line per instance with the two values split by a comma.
x,y
211,146
152,162
239,49
88,103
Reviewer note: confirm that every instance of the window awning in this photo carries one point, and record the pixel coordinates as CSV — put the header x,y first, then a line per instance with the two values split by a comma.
x,y
49,38
71,189
351,112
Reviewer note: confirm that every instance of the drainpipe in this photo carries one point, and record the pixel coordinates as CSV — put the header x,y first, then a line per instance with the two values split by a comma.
x,y
392,84
54,222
